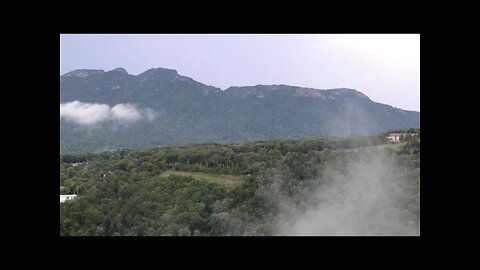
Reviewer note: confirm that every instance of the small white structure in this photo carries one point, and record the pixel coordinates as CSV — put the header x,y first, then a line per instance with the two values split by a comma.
x,y
64,198
394,137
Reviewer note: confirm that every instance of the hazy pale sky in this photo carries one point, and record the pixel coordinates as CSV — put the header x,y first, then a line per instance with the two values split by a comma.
x,y
385,67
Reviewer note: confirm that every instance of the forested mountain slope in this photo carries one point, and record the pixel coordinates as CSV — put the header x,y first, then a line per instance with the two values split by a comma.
x,y
111,110
312,186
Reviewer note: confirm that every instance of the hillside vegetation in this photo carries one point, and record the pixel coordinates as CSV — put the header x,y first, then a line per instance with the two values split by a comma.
x,y
250,188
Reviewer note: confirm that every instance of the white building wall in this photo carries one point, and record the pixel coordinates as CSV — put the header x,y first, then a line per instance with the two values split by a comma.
x,y
67,197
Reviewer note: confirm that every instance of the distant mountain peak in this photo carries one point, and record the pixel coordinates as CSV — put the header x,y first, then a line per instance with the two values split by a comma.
x,y
121,70
260,91
347,91
83,73
159,71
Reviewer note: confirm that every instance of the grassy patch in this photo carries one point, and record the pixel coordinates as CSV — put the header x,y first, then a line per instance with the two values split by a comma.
x,y
225,179
394,146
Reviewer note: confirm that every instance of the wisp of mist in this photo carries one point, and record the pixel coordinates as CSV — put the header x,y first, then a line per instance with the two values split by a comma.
x,y
368,192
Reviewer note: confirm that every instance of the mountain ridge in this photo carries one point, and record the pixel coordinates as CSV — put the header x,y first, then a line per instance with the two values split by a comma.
x,y
173,74
188,111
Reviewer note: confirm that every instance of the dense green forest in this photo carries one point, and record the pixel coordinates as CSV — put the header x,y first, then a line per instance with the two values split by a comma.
x,y
210,189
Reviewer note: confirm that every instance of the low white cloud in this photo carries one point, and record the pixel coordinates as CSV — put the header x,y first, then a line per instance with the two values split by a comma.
x,y
92,113
84,113
150,114
125,112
